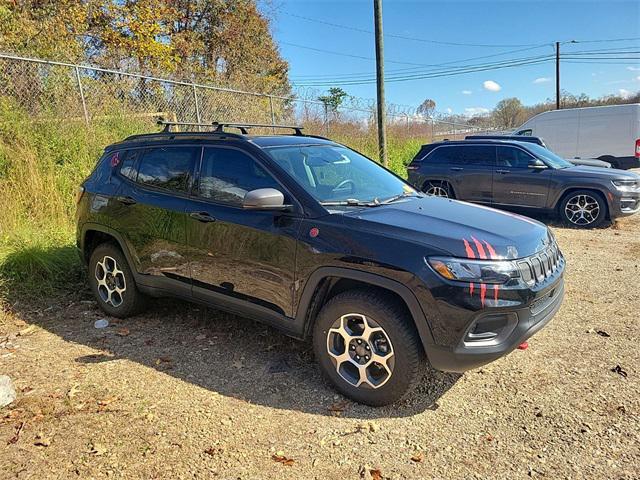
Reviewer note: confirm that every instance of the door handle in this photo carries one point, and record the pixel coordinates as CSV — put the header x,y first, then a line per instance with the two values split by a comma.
x,y
127,200
456,169
202,217
503,171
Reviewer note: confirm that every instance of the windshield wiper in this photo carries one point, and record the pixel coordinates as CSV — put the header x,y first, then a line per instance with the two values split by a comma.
x,y
351,202
399,197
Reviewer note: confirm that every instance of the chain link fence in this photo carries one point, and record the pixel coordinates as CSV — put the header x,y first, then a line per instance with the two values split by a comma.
x,y
48,91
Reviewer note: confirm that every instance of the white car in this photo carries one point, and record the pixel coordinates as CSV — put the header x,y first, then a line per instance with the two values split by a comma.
x,y
609,133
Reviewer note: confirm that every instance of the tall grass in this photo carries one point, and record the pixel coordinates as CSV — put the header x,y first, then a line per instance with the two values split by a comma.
x,y
41,165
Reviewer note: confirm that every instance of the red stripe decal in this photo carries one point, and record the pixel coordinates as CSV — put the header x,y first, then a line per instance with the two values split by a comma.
x,y
483,292
479,246
470,254
493,255
468,248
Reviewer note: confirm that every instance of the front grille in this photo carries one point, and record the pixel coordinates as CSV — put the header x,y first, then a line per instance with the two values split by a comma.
x,y
537,268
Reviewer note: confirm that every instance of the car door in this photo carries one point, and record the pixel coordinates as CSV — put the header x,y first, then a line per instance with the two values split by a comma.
x,y
471,171
151,210
520,179
243,258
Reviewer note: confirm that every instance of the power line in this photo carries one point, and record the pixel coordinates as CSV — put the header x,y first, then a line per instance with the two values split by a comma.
x,y
440,42
440,73
408,70
405,37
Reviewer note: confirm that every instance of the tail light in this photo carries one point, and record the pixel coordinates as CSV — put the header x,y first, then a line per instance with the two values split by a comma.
x,y
79,194
638,148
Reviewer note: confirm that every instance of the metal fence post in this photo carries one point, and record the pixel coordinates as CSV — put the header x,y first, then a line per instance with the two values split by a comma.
x,y
326,120
195,100
273,114
84,103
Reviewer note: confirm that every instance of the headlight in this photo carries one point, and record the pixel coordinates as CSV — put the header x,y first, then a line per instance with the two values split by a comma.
x,y
626,185
476,271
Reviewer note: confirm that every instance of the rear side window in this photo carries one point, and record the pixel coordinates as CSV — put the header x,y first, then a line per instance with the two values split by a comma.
x,y
168,168
128,164
481,155
513,157
227,175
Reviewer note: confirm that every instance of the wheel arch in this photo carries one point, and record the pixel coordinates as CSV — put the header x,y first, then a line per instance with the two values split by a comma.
x,y
326,282
568,191
94,234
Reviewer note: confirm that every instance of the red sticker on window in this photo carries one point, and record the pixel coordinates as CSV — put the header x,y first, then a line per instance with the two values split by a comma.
x,y
115,160
314,232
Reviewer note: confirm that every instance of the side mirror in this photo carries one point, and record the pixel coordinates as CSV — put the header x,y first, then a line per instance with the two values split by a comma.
x,y
538,165
264,199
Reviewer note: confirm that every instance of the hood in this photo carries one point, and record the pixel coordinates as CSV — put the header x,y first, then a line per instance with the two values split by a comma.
x,y
590,162
458,228
596,172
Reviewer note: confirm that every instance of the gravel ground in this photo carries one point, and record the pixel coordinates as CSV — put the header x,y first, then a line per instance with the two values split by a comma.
x,y
188,392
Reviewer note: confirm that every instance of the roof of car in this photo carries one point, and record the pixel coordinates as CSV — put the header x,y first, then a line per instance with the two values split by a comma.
x,y
478,142
261,141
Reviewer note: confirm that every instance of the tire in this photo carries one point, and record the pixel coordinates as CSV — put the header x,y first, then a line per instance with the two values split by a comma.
x,y
589,209
438,188
393,333
117,293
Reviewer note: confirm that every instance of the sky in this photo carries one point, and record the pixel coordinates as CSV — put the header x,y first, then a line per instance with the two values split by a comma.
x,y
527,29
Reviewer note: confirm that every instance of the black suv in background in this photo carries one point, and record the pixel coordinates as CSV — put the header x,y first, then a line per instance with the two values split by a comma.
x,y
313,238
513,174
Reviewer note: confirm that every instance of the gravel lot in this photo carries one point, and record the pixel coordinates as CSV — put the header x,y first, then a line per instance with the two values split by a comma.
x,y
188,392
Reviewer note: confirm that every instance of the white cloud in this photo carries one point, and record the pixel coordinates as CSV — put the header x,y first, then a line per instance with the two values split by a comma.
x,y
633,69
449,111
467,92
491,86
638,78
624,93
542,80
471,111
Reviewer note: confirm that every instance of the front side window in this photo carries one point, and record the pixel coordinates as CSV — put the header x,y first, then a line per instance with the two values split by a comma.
x,y
514,158
333,173
168,168
227,175
550,158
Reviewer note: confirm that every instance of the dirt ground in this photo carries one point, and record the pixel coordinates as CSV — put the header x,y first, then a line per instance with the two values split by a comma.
x,y
188,392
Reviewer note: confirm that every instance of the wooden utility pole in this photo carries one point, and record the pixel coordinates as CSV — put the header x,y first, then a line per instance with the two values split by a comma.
x,y
382,129
557,75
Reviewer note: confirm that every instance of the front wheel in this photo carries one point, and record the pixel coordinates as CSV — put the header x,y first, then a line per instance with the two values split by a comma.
x,y
583,209
367,346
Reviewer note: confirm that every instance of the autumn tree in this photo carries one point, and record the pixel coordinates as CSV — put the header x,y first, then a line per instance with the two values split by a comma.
x,y
508,113
222,41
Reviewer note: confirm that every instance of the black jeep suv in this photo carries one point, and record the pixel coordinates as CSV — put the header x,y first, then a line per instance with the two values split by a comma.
x,y
311,237
513,174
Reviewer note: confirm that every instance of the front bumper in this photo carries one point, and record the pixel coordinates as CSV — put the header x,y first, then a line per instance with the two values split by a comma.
x,y
527,321
625,203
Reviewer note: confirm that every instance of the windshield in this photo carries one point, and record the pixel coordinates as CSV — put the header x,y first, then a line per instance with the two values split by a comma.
x,y
334,174
550,158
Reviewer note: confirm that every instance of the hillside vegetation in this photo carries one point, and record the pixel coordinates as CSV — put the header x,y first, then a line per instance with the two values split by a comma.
x,y
41,166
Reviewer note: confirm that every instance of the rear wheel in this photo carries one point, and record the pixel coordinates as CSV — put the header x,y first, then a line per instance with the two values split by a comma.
x,y
438,188
112,282
366,345
583,209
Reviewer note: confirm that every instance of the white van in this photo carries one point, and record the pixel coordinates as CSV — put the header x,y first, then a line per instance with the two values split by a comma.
x,y
610,133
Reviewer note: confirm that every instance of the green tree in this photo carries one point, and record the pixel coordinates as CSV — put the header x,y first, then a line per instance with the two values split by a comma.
x,y
334,99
